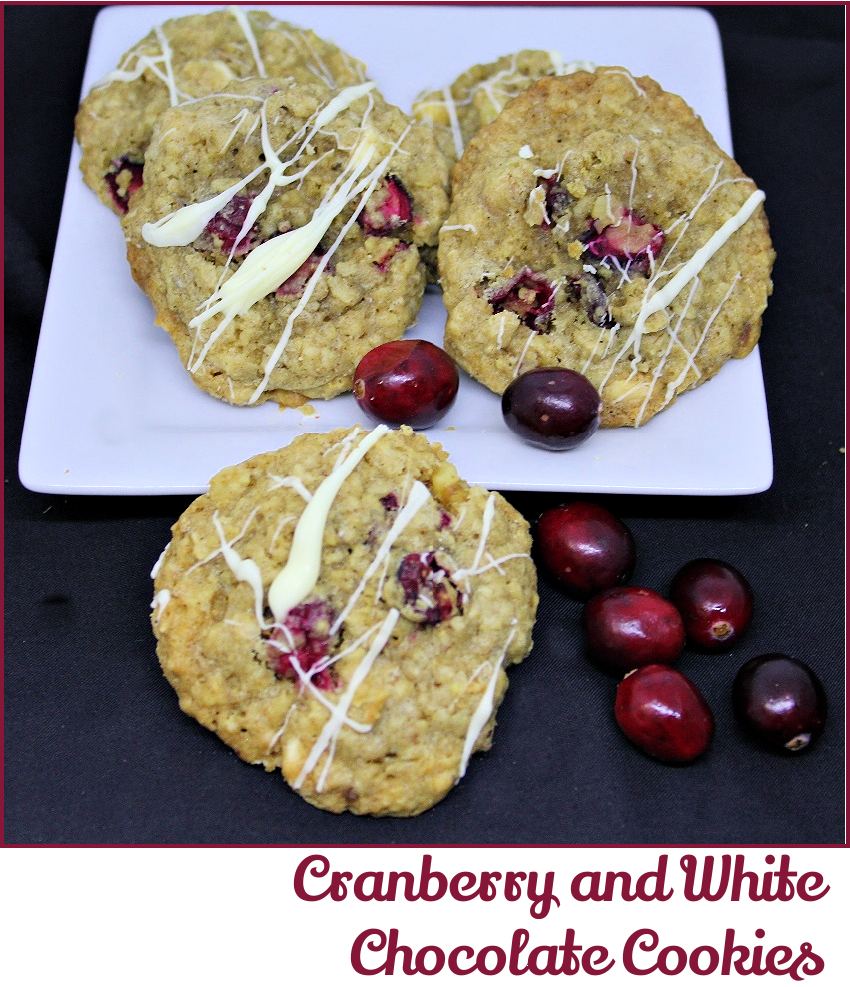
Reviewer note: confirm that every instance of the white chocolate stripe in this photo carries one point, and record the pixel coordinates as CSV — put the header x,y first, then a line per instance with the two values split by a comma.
x,y
664,296
242,20
483,711
298,577
419,495
334,724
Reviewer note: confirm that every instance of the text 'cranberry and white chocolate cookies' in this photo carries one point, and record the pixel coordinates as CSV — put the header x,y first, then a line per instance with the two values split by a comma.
x,y
596,225
343,610
179,61
278,234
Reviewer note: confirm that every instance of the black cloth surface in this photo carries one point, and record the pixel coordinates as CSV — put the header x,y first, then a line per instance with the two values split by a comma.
x,y
97,751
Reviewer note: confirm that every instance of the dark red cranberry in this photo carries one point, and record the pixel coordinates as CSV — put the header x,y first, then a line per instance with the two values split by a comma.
x,y
585,547
224,229
389,502
780,701
587,289
303,637
430,595
388,209
528,295
295,284
123,180
630,626
558,199
552,408
631,240
406,382
664,714
715,601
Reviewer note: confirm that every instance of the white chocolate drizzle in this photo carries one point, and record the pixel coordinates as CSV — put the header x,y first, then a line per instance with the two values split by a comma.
x,y
484,709
419,496
331,729
298,577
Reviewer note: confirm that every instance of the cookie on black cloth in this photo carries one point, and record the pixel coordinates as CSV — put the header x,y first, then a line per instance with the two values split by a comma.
x,y
343,610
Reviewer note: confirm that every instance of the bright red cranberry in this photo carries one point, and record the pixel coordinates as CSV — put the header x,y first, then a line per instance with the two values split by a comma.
x,y
528,295
406,382
664,714
123,180
780,701
552,408
715,601
630,626
388,209
585,547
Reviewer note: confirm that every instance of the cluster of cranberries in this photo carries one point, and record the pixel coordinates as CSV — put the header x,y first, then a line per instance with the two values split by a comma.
x,y
638,633
413,382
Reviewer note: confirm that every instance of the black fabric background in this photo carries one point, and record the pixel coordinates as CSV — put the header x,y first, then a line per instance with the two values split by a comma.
x,y
96,748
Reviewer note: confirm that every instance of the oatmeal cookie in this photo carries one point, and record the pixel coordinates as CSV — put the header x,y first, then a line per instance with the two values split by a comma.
x,y
478,95
291,245
178,61
597,225
343,611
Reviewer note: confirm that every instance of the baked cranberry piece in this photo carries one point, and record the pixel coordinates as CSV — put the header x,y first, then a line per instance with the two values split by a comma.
x,y
304,637
630,239
388,209
123,180
430,596
389,502
528,295
295,284
588,291
223,230
557,199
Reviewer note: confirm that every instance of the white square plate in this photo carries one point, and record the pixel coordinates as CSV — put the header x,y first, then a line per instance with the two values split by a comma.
x,y
111,410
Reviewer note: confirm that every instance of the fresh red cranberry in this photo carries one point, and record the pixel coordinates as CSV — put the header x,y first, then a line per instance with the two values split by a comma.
x,y
528,295
552,408
406,382
223,230
630,239
780,700
630,626
388,210
123,180
715,601
430,595
303,637
663,713
585,547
